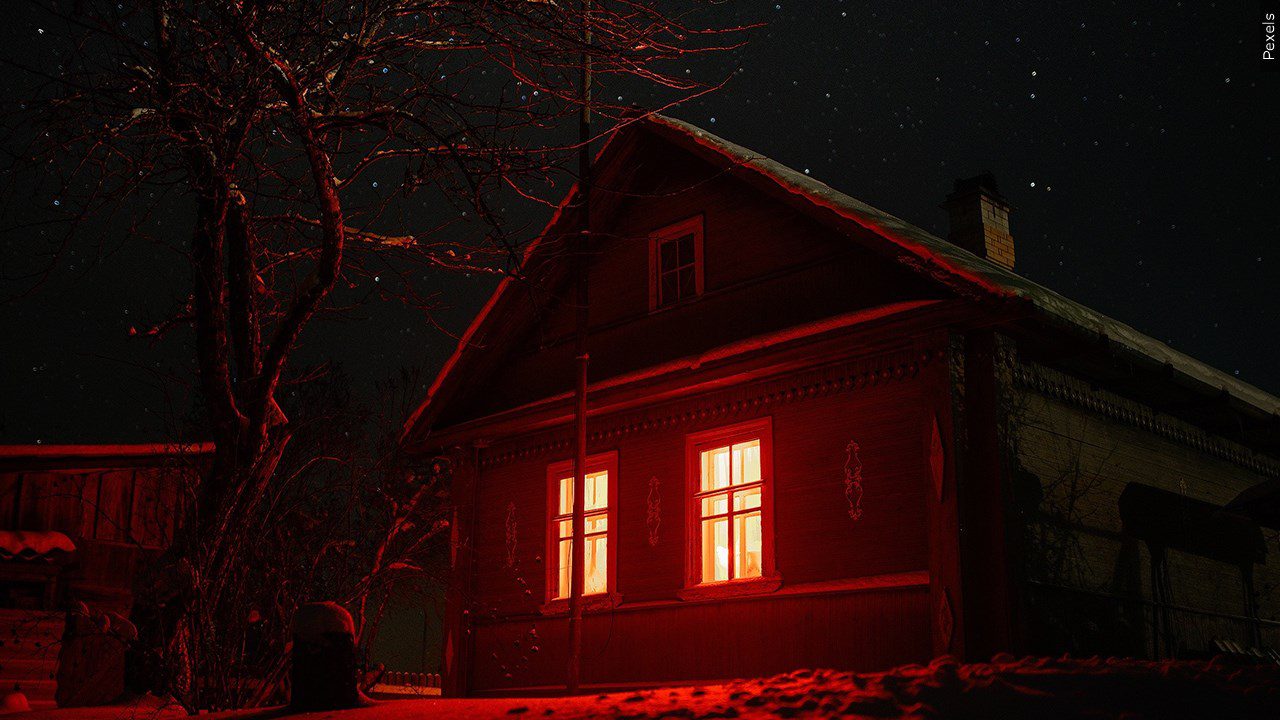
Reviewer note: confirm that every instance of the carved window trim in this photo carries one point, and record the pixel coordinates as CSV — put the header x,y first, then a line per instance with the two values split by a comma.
x,y
853,489
653,510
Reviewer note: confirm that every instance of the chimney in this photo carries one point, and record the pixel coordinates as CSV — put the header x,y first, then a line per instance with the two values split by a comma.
x,y
980,219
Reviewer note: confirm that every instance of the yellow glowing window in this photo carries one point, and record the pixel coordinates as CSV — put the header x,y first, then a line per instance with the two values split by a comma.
x,y
728,505
596,526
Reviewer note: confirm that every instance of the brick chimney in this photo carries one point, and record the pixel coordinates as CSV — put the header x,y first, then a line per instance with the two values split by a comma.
x,y
980,219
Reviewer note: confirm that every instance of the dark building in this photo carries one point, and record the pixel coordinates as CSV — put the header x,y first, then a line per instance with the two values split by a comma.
x,y
820,436
77,523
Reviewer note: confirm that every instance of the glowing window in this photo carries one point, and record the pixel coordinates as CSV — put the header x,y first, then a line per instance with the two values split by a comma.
x,y
729,504
596,524
675,263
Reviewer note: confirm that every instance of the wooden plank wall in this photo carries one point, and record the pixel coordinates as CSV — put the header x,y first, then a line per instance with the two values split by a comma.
x,y
767,268
118,518
711,640
1074,463
816,541
131,505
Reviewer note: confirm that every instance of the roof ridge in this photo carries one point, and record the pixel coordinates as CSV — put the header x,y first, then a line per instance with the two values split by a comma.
x,y
1050,302
929,253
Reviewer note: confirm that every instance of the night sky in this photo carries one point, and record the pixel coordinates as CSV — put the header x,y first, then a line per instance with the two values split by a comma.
x,y
1135,140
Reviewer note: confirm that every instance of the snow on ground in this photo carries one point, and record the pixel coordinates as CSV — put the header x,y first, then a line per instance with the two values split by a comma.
x,y
1038,688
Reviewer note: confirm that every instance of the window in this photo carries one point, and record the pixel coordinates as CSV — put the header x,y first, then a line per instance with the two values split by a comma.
x,y
597,523
675,263
729,470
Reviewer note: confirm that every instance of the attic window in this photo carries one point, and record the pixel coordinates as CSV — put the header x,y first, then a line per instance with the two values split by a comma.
x,y
675,263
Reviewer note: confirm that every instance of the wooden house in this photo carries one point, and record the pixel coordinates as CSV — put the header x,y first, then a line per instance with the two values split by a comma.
x,y
77,523
822,437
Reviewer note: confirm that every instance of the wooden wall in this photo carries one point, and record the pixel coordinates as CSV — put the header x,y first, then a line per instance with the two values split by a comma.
x,y
1075,461
653,635
767,268
703,641
130,505
117,517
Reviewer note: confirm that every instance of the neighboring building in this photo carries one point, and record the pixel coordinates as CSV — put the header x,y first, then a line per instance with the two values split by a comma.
x,y
77,522
820,436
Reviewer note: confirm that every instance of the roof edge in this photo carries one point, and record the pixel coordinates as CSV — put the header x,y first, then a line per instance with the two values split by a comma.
x,y
103,451
922,251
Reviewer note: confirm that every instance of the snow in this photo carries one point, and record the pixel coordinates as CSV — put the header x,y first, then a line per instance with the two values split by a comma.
x,y
964,264
14,701
1040,688
315,620
33,545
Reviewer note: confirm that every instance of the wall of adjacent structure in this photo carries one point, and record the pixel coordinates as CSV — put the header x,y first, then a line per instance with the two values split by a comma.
x,y
854,594
1087,585
118,518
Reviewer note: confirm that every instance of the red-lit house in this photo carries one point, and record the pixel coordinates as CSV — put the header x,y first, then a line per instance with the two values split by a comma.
x,y
818,436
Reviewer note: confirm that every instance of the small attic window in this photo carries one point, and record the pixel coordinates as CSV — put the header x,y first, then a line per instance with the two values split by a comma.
x,y
675,263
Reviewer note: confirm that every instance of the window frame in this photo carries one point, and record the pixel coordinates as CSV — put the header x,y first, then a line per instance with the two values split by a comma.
x,y
695,443
691,225
607,461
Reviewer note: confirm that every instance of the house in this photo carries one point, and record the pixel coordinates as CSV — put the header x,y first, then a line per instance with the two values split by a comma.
x,y
822,437
77,522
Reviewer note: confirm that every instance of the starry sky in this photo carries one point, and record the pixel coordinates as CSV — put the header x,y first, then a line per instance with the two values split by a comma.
x,y
1135,140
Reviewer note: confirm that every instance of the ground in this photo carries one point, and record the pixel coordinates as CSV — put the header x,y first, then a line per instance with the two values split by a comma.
x,y
1039,688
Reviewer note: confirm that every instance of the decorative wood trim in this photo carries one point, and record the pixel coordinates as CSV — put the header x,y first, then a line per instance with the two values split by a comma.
x,y
945,619
937,459
590,603
731,588
945,422
511,535
653,510
853,480
743,401
892,582
1060,386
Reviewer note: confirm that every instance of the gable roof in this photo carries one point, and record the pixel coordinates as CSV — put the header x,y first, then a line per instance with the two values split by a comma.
x,y
914,247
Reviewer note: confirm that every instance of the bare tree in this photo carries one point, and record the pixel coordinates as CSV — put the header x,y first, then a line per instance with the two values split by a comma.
x,y
273,122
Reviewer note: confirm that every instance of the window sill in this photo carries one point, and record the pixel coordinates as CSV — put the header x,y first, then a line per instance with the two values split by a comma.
x,y
731,588
602,601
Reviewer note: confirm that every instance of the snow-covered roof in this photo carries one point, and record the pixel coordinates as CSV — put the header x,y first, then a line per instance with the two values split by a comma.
x,y
1050,304
921,250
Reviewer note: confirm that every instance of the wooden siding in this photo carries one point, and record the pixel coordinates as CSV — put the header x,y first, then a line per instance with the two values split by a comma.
x,y
1074,463
119,519
767,268
815,541
748,637
134,506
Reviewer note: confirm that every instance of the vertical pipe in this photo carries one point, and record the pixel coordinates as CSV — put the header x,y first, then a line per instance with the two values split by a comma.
x,y
580,258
